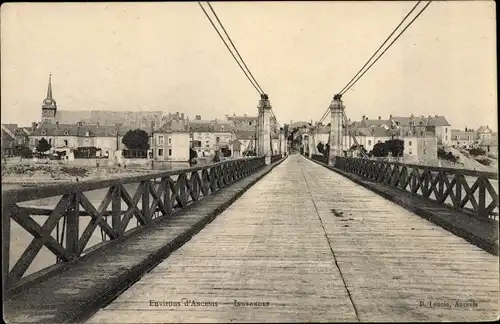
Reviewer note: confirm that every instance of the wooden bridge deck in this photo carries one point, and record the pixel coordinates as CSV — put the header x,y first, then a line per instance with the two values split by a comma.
x,y
323,249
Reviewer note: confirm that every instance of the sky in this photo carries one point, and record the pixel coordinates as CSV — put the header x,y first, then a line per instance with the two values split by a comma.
x,y
167,56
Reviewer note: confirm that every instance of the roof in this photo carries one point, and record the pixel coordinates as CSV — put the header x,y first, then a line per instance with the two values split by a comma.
x,y
484,129
140,119
13,130
177,126
244,134
223,127
435,120
379,131
75,130
245,118
199,127
322,129
462,134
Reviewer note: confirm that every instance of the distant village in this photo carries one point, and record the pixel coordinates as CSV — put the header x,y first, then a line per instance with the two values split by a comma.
x,y
65,134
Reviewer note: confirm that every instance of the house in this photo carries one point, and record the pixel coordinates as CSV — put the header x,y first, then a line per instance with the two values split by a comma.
x,y
171,142
235,147
484,133
201,137
464,138
490,145
419,148
14,139
67,137
223,134
245,121
246,140
438,125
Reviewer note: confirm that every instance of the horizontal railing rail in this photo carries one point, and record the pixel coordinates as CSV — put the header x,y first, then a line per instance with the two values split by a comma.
x,y
320,158
276,158
144,198
466,190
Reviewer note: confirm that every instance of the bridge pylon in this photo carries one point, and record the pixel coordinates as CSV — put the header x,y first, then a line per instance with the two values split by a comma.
x,y
336,130
264,128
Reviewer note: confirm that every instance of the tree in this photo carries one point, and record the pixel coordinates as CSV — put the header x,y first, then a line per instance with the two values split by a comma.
x,y
395,146
380,150
226,152
216,157
136,140
321,148
43,146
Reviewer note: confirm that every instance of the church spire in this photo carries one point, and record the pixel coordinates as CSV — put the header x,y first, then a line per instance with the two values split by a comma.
x,y
49,88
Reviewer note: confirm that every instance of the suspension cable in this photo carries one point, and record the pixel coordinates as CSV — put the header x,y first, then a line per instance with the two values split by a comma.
x,y
395,39
230,51
237,52
387,39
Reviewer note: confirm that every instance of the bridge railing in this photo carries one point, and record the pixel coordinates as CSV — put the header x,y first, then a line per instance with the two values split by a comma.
x,y
473,192
275,158
40,211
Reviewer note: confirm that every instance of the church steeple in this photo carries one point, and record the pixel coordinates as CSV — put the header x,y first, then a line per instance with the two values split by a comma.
x,y
49,105
49,88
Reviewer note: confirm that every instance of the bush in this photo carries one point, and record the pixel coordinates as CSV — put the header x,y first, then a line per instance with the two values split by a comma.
x,y
75,171
484,161
477,151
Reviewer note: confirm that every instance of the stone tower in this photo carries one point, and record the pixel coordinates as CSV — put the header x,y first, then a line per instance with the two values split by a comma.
x,y
49,106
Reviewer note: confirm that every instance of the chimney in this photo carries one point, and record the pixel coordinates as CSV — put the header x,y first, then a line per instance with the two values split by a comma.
x,y
390,117
379,117
182,115
33,126
177,115
436,116
79,123
466,128
57,125
363,117
97,124
366,117
197,117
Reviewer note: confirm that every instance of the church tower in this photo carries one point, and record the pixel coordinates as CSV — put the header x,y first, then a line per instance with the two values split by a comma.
x,y
49,106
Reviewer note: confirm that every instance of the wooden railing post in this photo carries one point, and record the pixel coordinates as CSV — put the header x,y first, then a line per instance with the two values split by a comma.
x,y
145,200
482,199
6,210
458,189
73,222
116,210
167,201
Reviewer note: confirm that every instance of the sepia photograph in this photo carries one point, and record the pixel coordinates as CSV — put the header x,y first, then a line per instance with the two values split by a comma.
x,y
249,162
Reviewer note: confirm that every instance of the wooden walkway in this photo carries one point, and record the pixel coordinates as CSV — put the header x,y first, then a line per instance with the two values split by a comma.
x,y
306,244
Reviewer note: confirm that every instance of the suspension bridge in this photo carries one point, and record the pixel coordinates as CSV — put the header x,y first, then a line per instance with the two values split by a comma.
x,y
281,238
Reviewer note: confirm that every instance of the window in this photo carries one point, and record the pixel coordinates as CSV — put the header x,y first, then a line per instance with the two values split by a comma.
x,y
369,142
66,132
160,140
169,140
446,137
169,152
409,143
65,142
43,132
379,141
217,139
409,152
424,151
249,123
446,130
160,152
50,141
87,133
